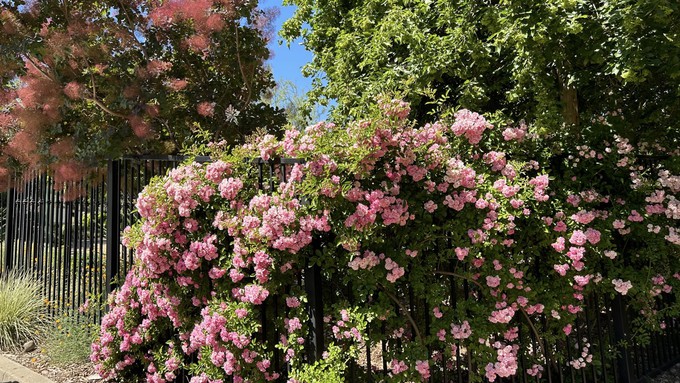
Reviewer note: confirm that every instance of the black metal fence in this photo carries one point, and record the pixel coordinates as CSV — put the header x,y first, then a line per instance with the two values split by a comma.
x,y
66,243
61,243
74,248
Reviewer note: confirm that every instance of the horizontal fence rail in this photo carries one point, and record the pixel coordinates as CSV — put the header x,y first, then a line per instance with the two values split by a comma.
x,y
73,247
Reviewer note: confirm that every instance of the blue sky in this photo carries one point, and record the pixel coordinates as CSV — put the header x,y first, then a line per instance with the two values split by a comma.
x,y
287,61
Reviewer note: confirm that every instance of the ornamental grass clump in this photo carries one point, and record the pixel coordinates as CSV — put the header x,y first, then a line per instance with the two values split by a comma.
x,y
537,232
23,314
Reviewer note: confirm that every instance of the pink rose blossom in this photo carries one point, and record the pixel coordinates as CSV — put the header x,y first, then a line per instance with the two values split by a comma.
x,y
578,238
622,286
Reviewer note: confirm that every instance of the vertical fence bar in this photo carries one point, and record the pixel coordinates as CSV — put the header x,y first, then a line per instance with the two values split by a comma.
x,y
9,230
49,230
101,212
315,311
40,230
112,224
127,202
17,222
21,229
59,267
90,240
138,177
82,250
36,227
75,251
68,252
29,235
599,330
623,361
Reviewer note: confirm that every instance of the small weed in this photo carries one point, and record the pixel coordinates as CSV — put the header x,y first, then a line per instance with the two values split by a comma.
x,y
23,315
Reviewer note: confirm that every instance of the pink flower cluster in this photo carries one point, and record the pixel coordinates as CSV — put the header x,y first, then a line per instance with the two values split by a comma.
x,y
506,364
622,286
471,125
395,208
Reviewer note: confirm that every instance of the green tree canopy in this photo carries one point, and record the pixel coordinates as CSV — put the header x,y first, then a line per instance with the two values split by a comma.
x,y
87,80
552,62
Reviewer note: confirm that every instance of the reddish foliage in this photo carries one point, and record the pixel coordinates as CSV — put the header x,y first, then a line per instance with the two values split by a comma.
x,y
68,171
197,43
214,23
264,22
33,122
177,84
174,11
6,121
158,67
206,109
73,90
4,178
23,147
152,110
140,127
63,148
124,58
9,24
131,92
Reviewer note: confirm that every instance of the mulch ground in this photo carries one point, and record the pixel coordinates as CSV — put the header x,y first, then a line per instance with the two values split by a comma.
x,y
84,373
40,363
670,376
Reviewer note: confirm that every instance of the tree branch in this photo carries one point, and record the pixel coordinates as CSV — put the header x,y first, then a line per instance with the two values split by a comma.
x,y
105,108
37,67
64,5
131,28
94,87
533,329
405,312
459,276
240,67
531,325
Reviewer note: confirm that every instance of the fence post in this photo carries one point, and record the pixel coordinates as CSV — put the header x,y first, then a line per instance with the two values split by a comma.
x,y
9,230
112,223
623,361
315,345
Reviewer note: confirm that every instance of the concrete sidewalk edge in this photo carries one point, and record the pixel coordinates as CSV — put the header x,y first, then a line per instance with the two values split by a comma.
x,y
11,371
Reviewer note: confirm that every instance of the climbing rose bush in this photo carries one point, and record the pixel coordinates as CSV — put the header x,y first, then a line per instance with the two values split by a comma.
x,y
532,230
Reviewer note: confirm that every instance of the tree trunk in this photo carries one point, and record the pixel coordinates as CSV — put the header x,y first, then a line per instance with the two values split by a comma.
x,y
568,96
569,99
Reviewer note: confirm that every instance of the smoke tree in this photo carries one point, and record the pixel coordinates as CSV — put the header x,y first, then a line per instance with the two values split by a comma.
x,y
86,81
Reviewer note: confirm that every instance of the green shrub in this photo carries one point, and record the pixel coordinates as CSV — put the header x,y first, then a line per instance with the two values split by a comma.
x,y
23,314
69,341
